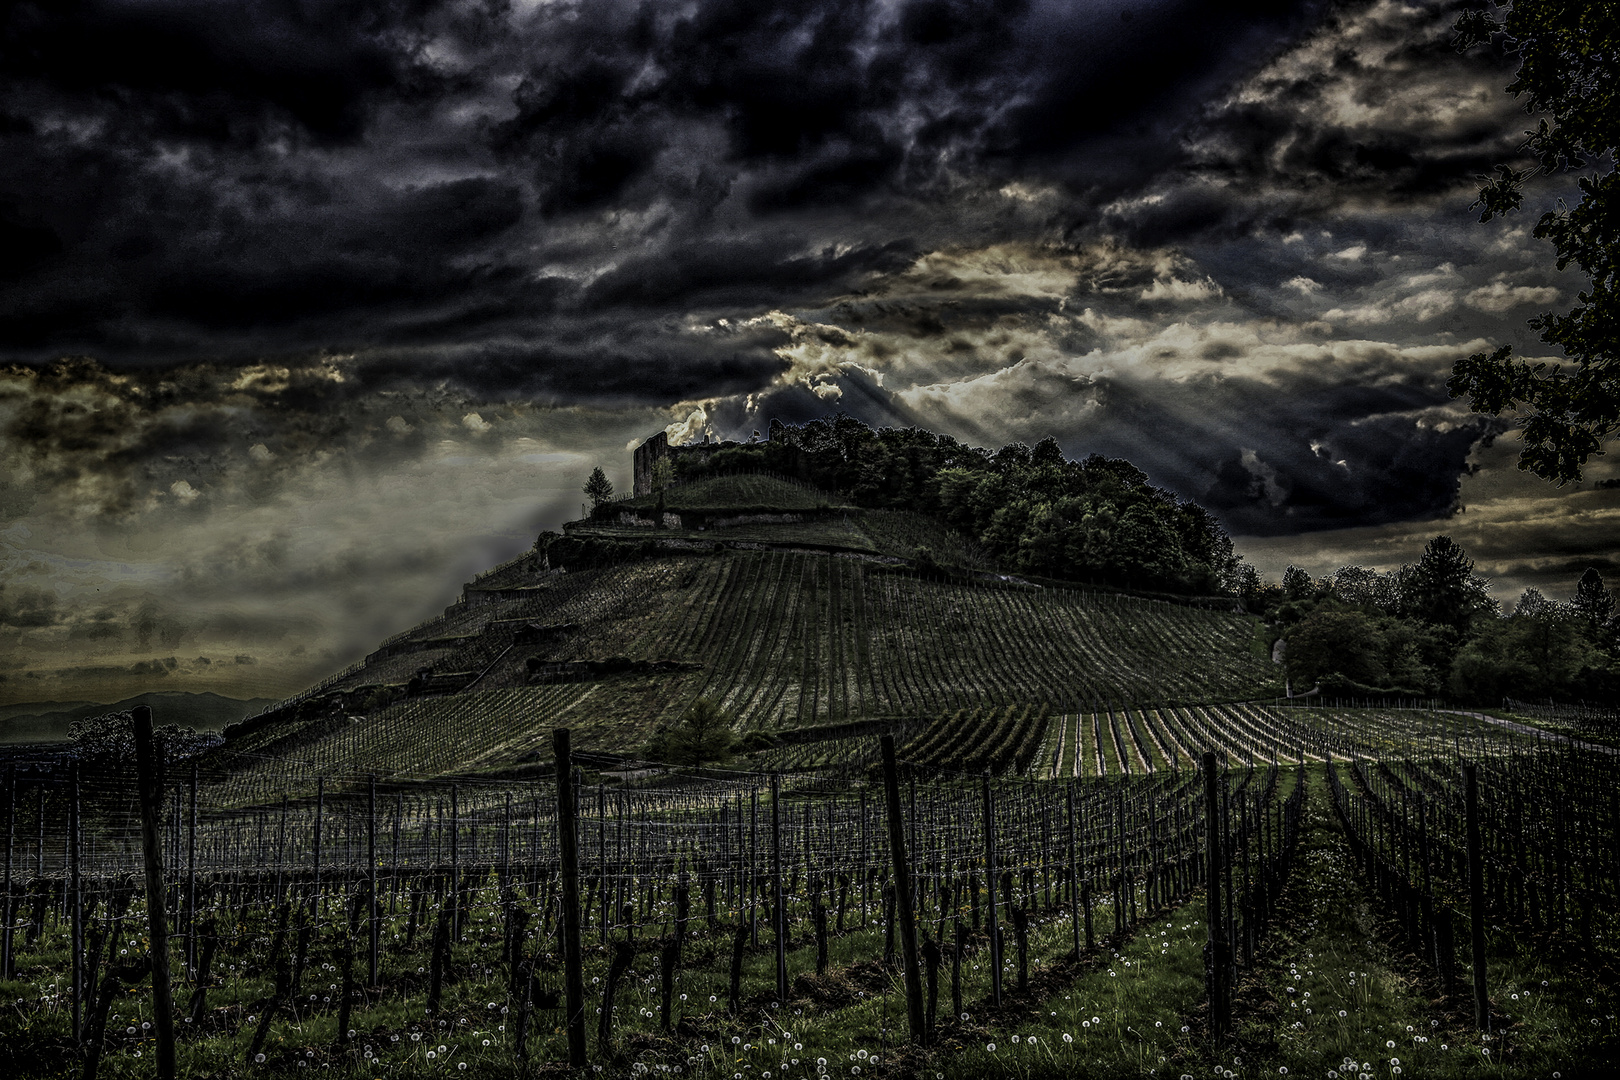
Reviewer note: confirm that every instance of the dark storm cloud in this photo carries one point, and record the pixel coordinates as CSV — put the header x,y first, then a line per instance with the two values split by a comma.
x,y
1405,467
113,440
1374,105
739,273
191,69
155,668
1306,456
187,181
602,361
28,607
305,237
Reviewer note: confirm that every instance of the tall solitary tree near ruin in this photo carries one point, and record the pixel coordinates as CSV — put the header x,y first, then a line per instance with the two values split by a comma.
x,y
598,488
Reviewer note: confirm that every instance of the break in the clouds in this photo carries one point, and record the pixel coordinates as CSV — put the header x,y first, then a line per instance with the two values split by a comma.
x,y
311,308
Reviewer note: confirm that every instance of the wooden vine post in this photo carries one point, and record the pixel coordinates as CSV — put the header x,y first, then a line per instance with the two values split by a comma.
x,y
76,898
149,781
455,863
779,917
320,811
990,882
1476,896
191,876
1215,964
374,909
568,847
1074,873
11,839
915,1018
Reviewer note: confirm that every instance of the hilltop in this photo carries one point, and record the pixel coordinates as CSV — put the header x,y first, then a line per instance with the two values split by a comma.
x,y
804,615
1027,509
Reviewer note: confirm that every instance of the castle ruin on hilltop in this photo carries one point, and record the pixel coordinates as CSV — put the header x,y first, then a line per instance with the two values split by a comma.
x,y
658,447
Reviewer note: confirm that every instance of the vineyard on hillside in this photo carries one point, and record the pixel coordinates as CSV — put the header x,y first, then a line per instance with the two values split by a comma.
x,y
781,640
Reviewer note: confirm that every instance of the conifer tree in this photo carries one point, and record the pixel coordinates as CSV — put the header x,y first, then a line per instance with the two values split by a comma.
x,y
1592,600
1441,589
598,488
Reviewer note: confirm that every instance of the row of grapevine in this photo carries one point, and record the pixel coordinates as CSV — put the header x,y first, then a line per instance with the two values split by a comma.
x,y
986,738
1128,740
1528,840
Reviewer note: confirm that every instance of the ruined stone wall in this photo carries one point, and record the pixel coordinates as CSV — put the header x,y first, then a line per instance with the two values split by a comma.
x,y
645,457
657,447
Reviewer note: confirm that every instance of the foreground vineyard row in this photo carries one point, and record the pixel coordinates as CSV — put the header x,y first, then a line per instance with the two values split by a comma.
x,y
365,929
1544,837
700,878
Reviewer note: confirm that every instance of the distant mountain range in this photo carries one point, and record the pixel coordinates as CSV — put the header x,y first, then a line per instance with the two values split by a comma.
x,y
47,721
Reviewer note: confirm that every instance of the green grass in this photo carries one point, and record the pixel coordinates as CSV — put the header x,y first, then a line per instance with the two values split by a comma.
x,y
1333,986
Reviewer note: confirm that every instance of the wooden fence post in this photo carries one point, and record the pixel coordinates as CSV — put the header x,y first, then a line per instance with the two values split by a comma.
x,y
991,884
455,863
1215,969
373,915
1476,896
1074,873
320,810
780,918
6,905
149,779
902,887
191,877
568,847
601,855
76,900
281,854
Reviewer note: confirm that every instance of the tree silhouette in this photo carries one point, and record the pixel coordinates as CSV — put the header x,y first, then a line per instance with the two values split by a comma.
x,y
1569,66
1441,588
1593,604
598,488
702,737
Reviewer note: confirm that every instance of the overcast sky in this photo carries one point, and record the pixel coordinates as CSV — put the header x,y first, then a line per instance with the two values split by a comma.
x,y
309,311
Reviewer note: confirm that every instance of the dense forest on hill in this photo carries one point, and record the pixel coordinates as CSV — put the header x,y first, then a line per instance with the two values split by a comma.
x,y
1098,520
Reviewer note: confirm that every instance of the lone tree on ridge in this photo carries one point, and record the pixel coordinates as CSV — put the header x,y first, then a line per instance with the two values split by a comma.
x,y
598,488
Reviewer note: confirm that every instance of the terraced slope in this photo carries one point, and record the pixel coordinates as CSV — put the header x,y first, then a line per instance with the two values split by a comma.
x,y
781,638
